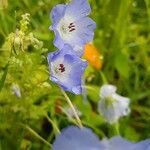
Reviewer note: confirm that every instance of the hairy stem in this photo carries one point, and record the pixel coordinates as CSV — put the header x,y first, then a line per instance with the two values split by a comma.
x,y
37,136
72,107
53,124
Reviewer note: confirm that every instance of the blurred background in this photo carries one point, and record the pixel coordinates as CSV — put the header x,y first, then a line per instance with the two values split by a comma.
x,y
32,106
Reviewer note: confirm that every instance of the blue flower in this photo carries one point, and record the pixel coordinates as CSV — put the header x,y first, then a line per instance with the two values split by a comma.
x,y
119,143
143,145
66,69
74,138
72,26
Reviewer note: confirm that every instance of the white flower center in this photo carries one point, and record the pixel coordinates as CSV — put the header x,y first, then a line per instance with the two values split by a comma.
x,y
59,69
66,28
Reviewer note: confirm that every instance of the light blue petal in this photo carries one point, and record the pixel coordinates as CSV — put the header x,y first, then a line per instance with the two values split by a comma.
x,y
86,23
78,9
56,14
58,42
76,43
85,29
74,138
84,32
119,143
143,145
67,49
77,89
78,67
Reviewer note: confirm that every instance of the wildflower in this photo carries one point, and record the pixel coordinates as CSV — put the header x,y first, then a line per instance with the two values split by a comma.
x,y
74,138
112,106
92,55
119,143
72,26
16,90
66,69
24,22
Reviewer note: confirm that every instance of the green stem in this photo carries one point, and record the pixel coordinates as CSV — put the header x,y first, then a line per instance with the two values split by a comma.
x,y
38,136
103,77
72,107
115,129
148,10
53,124
2,80
70,118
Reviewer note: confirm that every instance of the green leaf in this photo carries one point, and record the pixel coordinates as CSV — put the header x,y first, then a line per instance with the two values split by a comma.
x,y
93,92
121,64
2,81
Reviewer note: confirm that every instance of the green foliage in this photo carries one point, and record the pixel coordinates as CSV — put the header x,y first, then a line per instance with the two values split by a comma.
x,y
122,36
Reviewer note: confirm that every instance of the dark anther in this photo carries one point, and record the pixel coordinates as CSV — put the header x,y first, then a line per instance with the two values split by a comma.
x,y
62,68
71,27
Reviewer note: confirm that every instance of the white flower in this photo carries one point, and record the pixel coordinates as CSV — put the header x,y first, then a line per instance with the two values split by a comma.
x,y
16,90
112,106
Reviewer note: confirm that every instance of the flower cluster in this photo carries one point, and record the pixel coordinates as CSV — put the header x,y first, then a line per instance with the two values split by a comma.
x,y
73,29
74,138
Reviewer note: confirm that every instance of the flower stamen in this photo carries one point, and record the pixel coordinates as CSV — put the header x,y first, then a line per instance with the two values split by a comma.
x,y
61,68
71,27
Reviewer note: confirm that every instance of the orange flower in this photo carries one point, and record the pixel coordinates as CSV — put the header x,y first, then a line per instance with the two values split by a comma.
x,y
92,55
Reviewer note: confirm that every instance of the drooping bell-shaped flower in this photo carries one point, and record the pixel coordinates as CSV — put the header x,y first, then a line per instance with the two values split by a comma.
x,y
66,69
74,138
111,105
71,25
